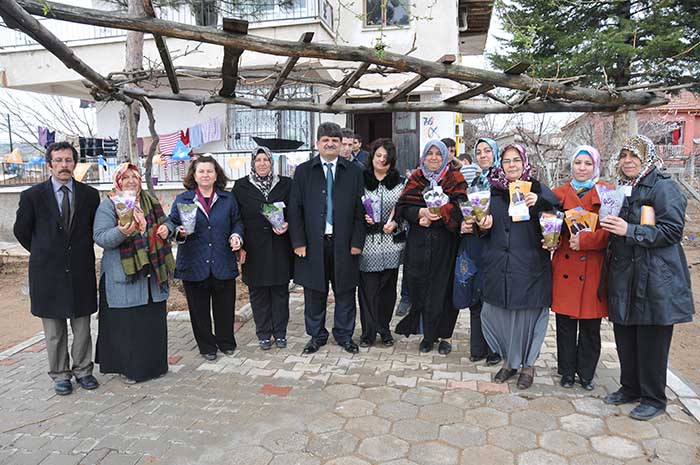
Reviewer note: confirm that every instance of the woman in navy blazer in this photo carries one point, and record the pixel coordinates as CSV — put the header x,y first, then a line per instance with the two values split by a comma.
x,y
206,258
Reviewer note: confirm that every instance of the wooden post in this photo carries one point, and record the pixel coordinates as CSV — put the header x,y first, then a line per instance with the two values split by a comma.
x,y
229,68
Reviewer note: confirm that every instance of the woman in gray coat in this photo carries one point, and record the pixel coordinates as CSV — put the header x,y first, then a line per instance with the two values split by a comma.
x,y
648,279
136,265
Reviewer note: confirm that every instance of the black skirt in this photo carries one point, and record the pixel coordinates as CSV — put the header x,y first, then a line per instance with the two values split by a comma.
x,y
132,341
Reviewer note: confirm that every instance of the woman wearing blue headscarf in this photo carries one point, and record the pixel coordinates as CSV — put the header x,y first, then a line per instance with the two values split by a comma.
x,y
431,248
486,155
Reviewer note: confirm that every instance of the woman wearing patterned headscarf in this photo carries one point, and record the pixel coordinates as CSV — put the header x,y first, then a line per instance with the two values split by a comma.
x,y
486,155
648,279
267,258
576,269
517,285
431,247
136,266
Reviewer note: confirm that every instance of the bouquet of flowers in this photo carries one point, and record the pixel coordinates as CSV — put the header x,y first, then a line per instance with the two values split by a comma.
x,y
373,207
610,200
124,204
274,213
188,216
480,201
434,199
550,223
466,207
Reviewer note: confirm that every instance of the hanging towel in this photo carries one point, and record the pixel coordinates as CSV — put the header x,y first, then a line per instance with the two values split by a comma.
x,y
50,137
185,137
211,130
168,141
42,136
195,136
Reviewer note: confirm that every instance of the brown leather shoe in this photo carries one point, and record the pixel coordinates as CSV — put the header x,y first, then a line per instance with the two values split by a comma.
x,y
525,380
504,374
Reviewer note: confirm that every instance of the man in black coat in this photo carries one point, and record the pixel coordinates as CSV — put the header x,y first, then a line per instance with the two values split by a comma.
x,y
54,223
327,229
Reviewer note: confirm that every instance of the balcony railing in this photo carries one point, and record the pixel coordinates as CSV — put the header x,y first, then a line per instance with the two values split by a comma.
x,y
71,33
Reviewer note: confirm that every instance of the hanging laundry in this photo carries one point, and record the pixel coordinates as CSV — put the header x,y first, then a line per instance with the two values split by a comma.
x,y
43,132
168,141
139,146
211,130
60,137
110,147
50,137
196,136
185,136
181,152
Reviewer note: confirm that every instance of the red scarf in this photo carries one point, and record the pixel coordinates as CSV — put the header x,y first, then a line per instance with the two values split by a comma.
x,y
205,203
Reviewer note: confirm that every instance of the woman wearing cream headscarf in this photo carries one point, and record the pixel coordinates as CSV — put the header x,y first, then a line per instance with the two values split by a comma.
x,y
136,266
648,280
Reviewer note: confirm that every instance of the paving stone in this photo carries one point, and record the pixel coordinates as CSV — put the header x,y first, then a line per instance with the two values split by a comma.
x,y
115,458
31,458
678,413
349,460
464,398
486,417
488,454
415,430
512,438
680,432
434,453
381,394
441,414
672,451
616,446
632,429
540,457
597,459
343,391
422,396
507,402
62,459
584,425
564,443
296,458
466,385
552,405
354,408
397,410
533,420
332,445
383,448
461,435
325,422
596,407
283,441
402,381
368,426
400,462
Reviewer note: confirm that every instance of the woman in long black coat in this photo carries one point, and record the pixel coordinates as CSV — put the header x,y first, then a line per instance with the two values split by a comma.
x,y
648,280
267,263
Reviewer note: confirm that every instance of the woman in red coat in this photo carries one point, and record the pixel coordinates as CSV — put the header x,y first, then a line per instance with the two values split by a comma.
x,y
576,268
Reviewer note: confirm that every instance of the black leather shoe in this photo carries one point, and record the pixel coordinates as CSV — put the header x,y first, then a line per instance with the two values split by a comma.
x,y
426,346
265,344
311,347
586,384
365,343
387,341
566,382
476,358
63,387
444,347
618,398
504,374
350,347
229,351
88,382
281,343
493,359
644,412
209,357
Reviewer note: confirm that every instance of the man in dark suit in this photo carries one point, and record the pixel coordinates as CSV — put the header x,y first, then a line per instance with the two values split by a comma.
x,y
357,152
54,223
327,229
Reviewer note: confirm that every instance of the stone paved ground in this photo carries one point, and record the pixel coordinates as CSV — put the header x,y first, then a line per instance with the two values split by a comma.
x,y
381,406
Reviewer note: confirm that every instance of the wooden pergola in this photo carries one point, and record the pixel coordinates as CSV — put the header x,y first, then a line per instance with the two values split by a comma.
x,y
528,94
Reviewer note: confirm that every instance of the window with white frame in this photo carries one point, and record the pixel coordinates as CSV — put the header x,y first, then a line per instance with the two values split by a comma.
x,y
387,12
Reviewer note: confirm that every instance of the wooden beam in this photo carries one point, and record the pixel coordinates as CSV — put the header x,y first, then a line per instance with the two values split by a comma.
x,y
349,82
291,61
408,86
163,51
202,99
15,15
229,68
403,63
484,88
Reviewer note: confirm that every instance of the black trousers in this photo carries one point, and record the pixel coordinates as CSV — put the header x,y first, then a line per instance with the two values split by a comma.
x,y
270,305
578,346
217,297
477,342
315,305
377,296
643,352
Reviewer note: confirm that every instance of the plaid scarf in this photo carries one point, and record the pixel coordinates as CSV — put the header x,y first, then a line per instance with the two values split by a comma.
x,y
453,185
141,256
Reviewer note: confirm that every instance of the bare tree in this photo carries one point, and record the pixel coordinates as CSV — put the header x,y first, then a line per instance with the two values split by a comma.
x,y
544,146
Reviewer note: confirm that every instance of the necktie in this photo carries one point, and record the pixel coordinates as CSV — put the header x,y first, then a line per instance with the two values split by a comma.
x,y
65,207
329,191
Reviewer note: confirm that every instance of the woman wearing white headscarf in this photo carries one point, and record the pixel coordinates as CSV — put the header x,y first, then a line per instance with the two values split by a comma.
x,y
576,269
431,248
267,258
648,280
